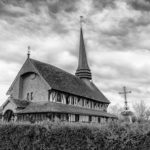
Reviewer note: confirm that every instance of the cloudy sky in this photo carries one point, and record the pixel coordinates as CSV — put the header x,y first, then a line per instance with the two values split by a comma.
x,y
117,38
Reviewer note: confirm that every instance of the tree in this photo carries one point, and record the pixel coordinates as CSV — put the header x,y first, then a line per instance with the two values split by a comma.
x,y
141,110
115,109
147,114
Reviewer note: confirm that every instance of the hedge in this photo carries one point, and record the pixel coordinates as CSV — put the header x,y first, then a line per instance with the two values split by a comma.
x,y
69,136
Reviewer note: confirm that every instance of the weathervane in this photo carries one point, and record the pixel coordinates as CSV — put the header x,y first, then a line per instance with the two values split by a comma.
x,y
81,20
125,92
29,51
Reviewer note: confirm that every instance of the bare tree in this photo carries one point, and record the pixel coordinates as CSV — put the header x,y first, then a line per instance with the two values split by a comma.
x,y
141,110
115,109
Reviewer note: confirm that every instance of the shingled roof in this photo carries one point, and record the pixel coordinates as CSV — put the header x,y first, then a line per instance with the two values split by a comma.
x,y
62,108
61,80
1,110
20,103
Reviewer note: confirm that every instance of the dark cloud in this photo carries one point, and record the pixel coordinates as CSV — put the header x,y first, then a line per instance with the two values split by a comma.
x,y
143,5
9,10
38,15
56,6
34,6
101,4
133,23
117,41
126,34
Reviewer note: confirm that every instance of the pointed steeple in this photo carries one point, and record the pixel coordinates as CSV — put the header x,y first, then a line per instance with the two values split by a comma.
x,y
83,70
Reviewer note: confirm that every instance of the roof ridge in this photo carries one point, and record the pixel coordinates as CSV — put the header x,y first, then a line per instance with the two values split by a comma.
x,y
55,67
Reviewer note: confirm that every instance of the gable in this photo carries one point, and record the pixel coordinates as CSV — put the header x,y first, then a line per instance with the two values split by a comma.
x,y
15,86
33,89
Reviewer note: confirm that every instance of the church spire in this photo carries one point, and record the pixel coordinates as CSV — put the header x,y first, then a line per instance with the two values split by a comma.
x,y
83,70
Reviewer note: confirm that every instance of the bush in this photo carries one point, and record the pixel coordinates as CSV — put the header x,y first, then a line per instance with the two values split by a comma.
x,y
72,136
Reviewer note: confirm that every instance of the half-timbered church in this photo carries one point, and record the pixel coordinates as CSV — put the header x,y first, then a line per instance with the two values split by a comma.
x,y
41,91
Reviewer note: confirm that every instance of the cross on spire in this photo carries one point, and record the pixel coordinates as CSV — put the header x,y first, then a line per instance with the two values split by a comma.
x,y
28,54
125,92
81,21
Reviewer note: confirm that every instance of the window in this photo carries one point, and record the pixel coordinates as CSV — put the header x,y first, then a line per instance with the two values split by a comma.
x,y
76,118
91,104
82,102
99,119
75,100
79,102
94,104
67,99
72,101
49,94
87,102
27,96
58,97
31,95
58,116
90,118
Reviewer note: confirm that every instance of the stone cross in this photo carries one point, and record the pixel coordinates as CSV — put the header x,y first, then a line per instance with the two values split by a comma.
x,y
125,92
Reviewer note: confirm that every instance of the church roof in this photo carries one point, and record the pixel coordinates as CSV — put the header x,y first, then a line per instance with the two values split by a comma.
x,y
20,103
62,108
61,80
1,110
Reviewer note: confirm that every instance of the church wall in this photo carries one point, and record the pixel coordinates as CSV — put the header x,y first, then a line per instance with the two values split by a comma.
x,y
33,88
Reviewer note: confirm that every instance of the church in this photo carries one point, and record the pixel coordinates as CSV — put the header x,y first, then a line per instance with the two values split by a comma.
x,y
41,92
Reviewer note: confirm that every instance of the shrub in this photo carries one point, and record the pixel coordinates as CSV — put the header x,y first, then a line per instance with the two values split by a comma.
x,y
74,136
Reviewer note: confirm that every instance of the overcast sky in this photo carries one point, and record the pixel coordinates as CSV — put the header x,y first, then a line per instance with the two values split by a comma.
x,y
117,39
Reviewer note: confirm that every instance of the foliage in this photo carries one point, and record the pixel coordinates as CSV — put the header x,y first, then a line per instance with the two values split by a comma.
x,y
74,136
141,111
116,110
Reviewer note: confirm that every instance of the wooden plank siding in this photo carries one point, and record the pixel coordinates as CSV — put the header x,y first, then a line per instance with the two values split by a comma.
x,y
60,97
38,117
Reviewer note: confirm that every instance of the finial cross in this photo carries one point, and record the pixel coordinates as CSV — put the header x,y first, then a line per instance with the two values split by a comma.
x,y
125,92
81,20
28,54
